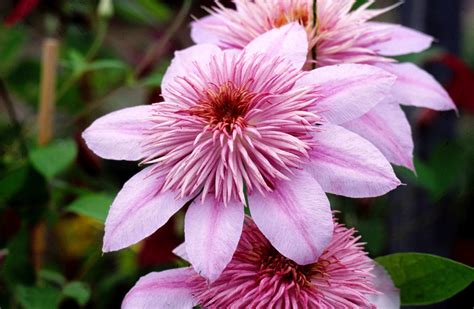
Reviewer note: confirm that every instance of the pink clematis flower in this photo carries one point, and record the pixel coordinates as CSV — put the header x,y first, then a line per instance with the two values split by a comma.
x,y
245,120
260,277
337,34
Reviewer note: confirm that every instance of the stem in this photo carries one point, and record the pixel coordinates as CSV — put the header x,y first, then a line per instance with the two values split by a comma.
x,y
157,49
90,55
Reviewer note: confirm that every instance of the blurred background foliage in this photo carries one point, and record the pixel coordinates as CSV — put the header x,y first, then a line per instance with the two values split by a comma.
x,y
54,197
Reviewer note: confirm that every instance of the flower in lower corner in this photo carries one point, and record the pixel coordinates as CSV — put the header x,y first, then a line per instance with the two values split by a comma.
x,y
338,34
250,120
260,277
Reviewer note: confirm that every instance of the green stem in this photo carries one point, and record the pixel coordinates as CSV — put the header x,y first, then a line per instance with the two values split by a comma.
x,y
91,53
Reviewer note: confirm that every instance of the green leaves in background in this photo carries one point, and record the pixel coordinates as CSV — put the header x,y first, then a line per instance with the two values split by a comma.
x,y
11,41
94,205
147,12
79,65
54,158
444,169
12,182
79,291
38,297
426,279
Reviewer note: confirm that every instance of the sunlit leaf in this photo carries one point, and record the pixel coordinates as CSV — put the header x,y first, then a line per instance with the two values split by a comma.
x,y
54,158
94,205
78,291
52,276
424,278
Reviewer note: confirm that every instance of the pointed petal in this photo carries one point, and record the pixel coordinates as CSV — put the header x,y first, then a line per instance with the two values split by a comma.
x,y
390,297
417,87
120,134
212,231
180,251
387,128
346,164
184,60
289,42
296,218
401,40
347,91
201,30
138,210
167,289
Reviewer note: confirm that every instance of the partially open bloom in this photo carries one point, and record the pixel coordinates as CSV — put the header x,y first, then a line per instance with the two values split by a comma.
x,y
236,121
337,34
260,277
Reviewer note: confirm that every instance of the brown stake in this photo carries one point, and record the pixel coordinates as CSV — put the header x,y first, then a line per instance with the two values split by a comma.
x,y
49,63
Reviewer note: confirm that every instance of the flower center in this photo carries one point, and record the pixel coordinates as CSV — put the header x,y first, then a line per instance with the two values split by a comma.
x,y
224,106
288,271
299,14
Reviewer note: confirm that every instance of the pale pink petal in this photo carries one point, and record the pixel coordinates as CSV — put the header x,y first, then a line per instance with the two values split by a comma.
x,y
185,60
289,42
212,231
401,40
167,289
387,128
390,297
180,251
120,135
346,164
347,91
417,87
138,210
202,30
296,218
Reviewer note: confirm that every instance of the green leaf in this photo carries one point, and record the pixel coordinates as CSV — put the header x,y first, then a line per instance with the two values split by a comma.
x,y
38,297
78,291
17,266
54,158
94,205
52,276
106,64
12,182
426,279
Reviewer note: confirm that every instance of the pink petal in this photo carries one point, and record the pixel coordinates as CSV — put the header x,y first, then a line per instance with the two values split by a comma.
x,y
201,30
296,218
347,91
401,40
346,164
167,289
387,128
416,87
390,299
180,251
289,42
186,59
138,210
212,231
120,134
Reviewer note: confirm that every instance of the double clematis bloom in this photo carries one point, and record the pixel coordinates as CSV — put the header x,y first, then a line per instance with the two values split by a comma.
x,y
337,34
245,121
260,277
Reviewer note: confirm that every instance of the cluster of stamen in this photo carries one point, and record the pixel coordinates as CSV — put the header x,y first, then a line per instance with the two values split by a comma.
x,y
299,14
224,106
288,271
